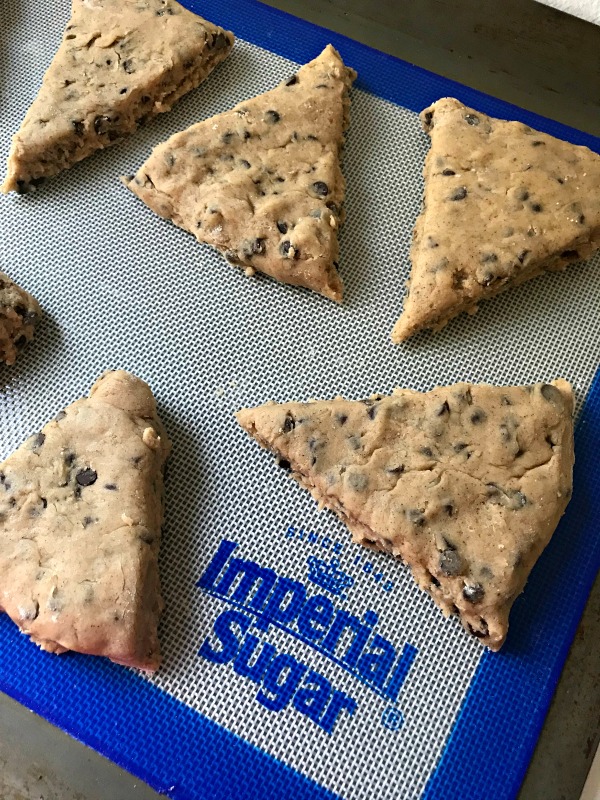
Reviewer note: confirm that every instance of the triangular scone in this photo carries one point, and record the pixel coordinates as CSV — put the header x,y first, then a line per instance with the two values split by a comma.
x,y
19,312
81,508
262,183
503,203
465,483
120,62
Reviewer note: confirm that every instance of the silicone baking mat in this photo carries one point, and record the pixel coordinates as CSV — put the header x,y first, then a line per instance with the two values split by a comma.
x,y
241,708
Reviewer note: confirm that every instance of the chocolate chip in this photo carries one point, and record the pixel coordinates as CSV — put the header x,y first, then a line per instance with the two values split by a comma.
x,y
254,247
123,90
459,447
396,470
100,124
505,434
88,521
86,477
128,66
415,516
510,498
428,120
523,255
342,418
536,207
285,247
78,127
284,464
488,258
478,416
38,440
282,226
570,254
434,580
451,563
443,409
227,138
144,99
426,451
320,188
551,394
354,442
483,632
537,143
371,411
448,172
358,481
170,160
112,487
522,194
291,81
448,509
69,458
472,119
289,423
220,41
459,194
272,117
474,593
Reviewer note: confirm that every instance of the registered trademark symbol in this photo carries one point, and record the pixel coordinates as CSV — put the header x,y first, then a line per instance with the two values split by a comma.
x,y
392,719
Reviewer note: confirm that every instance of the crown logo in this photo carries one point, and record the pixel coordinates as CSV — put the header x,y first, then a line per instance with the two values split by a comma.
x,y
329,576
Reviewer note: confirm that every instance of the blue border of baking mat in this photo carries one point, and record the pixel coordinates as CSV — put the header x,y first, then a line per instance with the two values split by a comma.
x,y
184,754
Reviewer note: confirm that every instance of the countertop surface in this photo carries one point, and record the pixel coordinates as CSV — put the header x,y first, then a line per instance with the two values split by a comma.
x,y
522,52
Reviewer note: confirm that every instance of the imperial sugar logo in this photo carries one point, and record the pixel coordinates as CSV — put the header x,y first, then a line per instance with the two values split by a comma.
x,y
257,598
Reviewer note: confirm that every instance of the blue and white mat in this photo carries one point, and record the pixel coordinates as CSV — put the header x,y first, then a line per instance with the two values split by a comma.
x,y
243,708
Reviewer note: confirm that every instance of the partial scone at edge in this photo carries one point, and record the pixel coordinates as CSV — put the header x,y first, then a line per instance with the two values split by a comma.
x,y
19,313
81,508
119,64
503,203
465,483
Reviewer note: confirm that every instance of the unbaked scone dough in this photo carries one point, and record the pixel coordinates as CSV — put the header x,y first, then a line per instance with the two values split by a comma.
x,y
81,509
262,183
120,62
465,483
503,203
19,312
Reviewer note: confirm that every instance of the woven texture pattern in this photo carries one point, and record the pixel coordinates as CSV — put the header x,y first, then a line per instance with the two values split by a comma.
x,y
121,288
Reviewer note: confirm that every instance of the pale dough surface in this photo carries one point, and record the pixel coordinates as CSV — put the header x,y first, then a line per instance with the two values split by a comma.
x,y
81,509
262,182
502,204
465,483
120,62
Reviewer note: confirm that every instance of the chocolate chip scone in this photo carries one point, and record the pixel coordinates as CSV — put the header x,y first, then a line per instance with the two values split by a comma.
x,y
503,203
120,62
262,182
465,483
19,312
81,509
